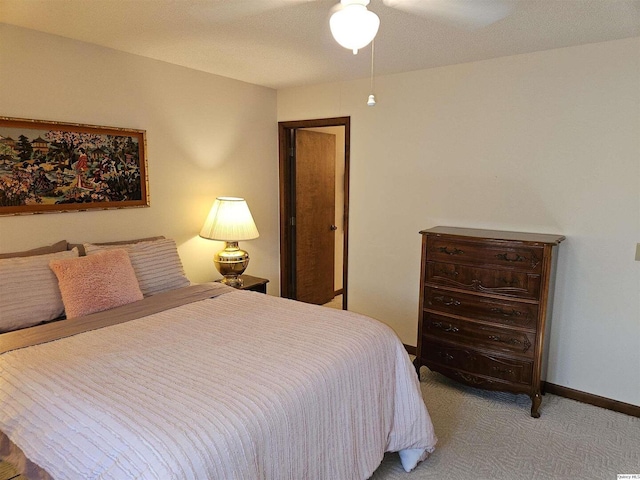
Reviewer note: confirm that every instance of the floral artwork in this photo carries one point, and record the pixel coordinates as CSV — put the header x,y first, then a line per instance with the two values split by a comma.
x,y
53,167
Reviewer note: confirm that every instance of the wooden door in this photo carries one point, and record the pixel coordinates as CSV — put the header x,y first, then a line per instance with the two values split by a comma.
x,y
315,180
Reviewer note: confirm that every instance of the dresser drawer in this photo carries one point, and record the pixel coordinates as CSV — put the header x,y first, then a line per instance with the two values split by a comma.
x,y
476,362
481,381
484,253
499,339
505,312
511,283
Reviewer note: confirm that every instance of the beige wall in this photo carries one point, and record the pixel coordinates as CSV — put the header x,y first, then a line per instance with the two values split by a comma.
x,y
544,142
206,135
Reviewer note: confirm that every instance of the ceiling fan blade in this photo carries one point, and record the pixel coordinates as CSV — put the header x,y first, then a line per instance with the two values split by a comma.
x,y
224,11
464,13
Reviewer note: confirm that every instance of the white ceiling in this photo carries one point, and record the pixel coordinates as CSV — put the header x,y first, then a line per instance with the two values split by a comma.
x,y
282,43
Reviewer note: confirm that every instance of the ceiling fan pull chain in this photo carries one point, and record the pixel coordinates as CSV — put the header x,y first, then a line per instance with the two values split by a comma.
x,y
372,98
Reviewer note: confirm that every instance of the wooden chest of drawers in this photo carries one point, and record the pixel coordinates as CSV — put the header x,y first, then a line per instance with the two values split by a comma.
x,y
484,298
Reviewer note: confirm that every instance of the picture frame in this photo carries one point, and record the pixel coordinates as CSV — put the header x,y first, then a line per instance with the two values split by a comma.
x,y
48,167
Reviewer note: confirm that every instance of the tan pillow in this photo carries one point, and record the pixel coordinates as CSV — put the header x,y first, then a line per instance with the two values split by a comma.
x,y
156,263
60,246
96,283
29,291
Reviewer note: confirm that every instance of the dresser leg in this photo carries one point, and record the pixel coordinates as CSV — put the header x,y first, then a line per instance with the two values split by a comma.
x,y
536,400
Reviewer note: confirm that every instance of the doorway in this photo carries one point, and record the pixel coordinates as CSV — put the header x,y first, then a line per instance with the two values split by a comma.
x,y
314,207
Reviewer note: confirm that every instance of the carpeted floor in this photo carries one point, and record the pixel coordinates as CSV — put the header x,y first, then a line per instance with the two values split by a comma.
x,y
491,436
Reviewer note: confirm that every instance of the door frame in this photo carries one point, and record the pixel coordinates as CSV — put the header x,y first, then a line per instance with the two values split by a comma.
x,y
286,153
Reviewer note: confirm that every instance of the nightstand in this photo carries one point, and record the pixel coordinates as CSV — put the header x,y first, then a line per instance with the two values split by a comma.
x,y
255,284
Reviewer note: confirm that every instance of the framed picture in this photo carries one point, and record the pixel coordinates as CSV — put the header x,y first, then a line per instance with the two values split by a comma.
x,y
60,167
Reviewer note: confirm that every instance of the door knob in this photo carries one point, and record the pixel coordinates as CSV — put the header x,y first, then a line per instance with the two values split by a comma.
x,y
333,227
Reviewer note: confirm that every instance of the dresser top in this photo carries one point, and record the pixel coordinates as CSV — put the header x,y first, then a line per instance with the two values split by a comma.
x,y
495,234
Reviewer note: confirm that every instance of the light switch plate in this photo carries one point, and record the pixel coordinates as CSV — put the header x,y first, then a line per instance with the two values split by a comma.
x,y
638,252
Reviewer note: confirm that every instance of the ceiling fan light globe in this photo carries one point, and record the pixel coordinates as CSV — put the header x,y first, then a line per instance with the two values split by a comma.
x,y
354,27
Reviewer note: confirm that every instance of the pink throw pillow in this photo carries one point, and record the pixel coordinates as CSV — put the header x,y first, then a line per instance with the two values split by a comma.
x,y
96,283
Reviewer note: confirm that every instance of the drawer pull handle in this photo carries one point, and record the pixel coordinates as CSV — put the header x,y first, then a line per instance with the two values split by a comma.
x,y
511,257
447,301
455,251
473,379
447,356
507,313
526,344
447,328
502,371
446,273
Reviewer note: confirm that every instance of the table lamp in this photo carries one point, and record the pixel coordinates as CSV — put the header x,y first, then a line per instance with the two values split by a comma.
x,y
230,221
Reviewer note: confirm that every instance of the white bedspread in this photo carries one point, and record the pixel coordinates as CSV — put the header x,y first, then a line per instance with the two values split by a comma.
x,y
242,386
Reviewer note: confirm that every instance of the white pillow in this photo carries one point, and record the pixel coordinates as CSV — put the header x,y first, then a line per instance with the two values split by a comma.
x,y
29,292
156,263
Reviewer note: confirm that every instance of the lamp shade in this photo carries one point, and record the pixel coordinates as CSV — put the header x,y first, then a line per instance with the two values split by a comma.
x,y
229,220
354,26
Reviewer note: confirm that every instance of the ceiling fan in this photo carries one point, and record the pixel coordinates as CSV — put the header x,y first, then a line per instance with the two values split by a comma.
x,y
353,15
461,13
354,26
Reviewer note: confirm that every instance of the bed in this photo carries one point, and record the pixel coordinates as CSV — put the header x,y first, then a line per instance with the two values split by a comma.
x,y
200,381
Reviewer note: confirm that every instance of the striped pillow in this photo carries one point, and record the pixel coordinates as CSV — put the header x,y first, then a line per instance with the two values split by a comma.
x,y
156,263
29,292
